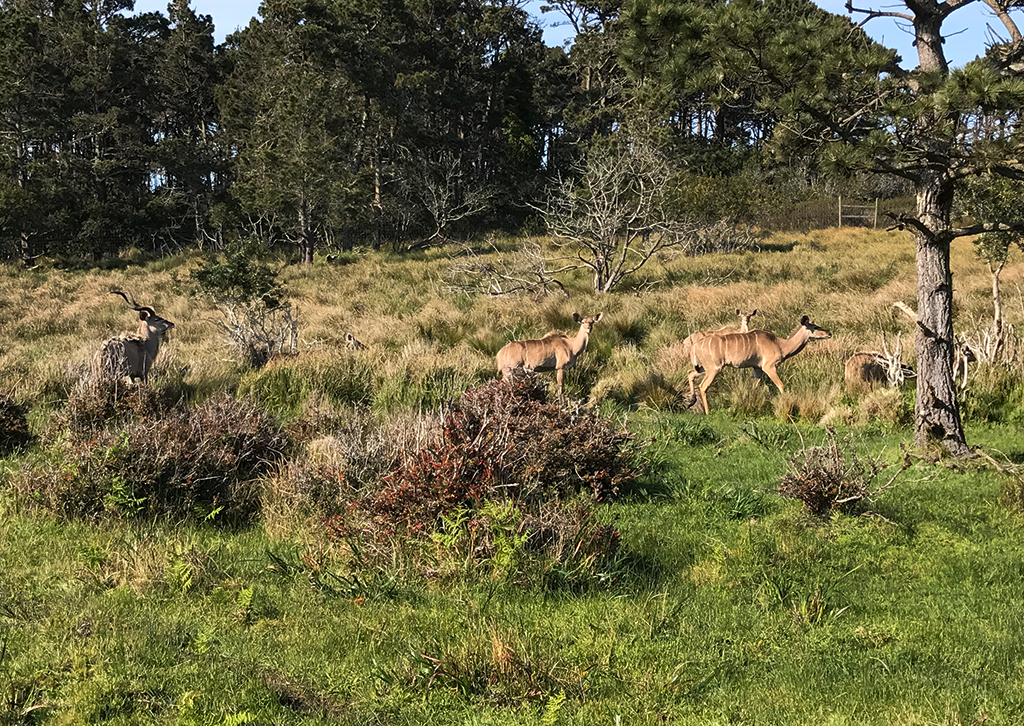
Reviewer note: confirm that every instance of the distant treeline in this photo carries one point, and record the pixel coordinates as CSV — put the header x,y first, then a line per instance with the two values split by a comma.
x,y
334,123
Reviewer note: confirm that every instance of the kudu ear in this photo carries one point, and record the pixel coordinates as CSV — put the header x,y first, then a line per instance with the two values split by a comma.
x,y
738,311
805,320
348,337
143,315
577,317
598,317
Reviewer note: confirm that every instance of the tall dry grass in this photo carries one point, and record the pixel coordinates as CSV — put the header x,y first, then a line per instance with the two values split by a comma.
x,y
424,346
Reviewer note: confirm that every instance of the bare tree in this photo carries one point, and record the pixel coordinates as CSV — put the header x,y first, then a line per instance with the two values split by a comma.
x,y
446,194
612,216
524,271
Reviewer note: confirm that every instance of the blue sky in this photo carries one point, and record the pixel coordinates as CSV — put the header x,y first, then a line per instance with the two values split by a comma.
x,y
965,29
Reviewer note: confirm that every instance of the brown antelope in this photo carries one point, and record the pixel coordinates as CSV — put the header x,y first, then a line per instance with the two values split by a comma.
x,y
132,356
352,343
866,368
692,338
757,349
744,320
554,352
863,371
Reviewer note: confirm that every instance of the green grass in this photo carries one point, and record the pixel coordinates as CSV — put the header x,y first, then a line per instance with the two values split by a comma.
x,y
731,604
734,606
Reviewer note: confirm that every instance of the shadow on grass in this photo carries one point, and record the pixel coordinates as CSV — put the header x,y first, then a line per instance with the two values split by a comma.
x,y
776,246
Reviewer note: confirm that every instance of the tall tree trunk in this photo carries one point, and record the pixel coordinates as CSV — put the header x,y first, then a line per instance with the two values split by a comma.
x,y
995,268
377,206
306,240
937,416
936,412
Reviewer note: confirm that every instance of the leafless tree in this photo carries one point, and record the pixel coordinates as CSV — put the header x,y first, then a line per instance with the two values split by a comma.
x,y
612,216
523,271
446,194
258,332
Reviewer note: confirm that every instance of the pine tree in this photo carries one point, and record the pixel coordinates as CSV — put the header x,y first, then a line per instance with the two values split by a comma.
x,y
832,87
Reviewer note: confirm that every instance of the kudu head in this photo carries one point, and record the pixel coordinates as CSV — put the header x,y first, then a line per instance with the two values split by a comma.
x,y
352,343
151,325
812,331
586,324
745,319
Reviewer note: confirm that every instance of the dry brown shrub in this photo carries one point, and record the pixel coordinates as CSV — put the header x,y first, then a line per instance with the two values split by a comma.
x,y
833,477
96,401
183,463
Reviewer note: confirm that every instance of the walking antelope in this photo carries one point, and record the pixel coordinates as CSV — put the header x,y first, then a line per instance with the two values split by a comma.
x,y
554,352
692,338
757,349
132,356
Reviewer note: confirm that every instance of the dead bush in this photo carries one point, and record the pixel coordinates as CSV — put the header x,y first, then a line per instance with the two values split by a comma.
x,y
832,477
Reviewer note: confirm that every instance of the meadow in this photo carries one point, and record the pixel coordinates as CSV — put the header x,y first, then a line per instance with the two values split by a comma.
x,y
696,595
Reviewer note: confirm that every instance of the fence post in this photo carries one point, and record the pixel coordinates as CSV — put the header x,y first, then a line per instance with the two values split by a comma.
x,y
876,213
840,211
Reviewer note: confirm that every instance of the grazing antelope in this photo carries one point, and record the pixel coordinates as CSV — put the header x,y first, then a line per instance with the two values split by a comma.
x,y
863,371
132,356
866,368
554,352
757,349
352,343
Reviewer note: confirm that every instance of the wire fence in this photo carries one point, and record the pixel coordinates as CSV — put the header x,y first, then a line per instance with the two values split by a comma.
x,y
829,212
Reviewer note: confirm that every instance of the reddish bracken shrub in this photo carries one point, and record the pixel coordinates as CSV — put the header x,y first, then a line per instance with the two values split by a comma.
x,y
502,441
14,431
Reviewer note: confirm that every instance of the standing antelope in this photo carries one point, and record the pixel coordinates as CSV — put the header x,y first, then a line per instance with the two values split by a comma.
x,y
744,320
757,349
554,352
130,355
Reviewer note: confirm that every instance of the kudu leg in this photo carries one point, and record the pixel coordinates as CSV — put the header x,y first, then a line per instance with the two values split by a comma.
x,y
693,374
774,376
705,385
